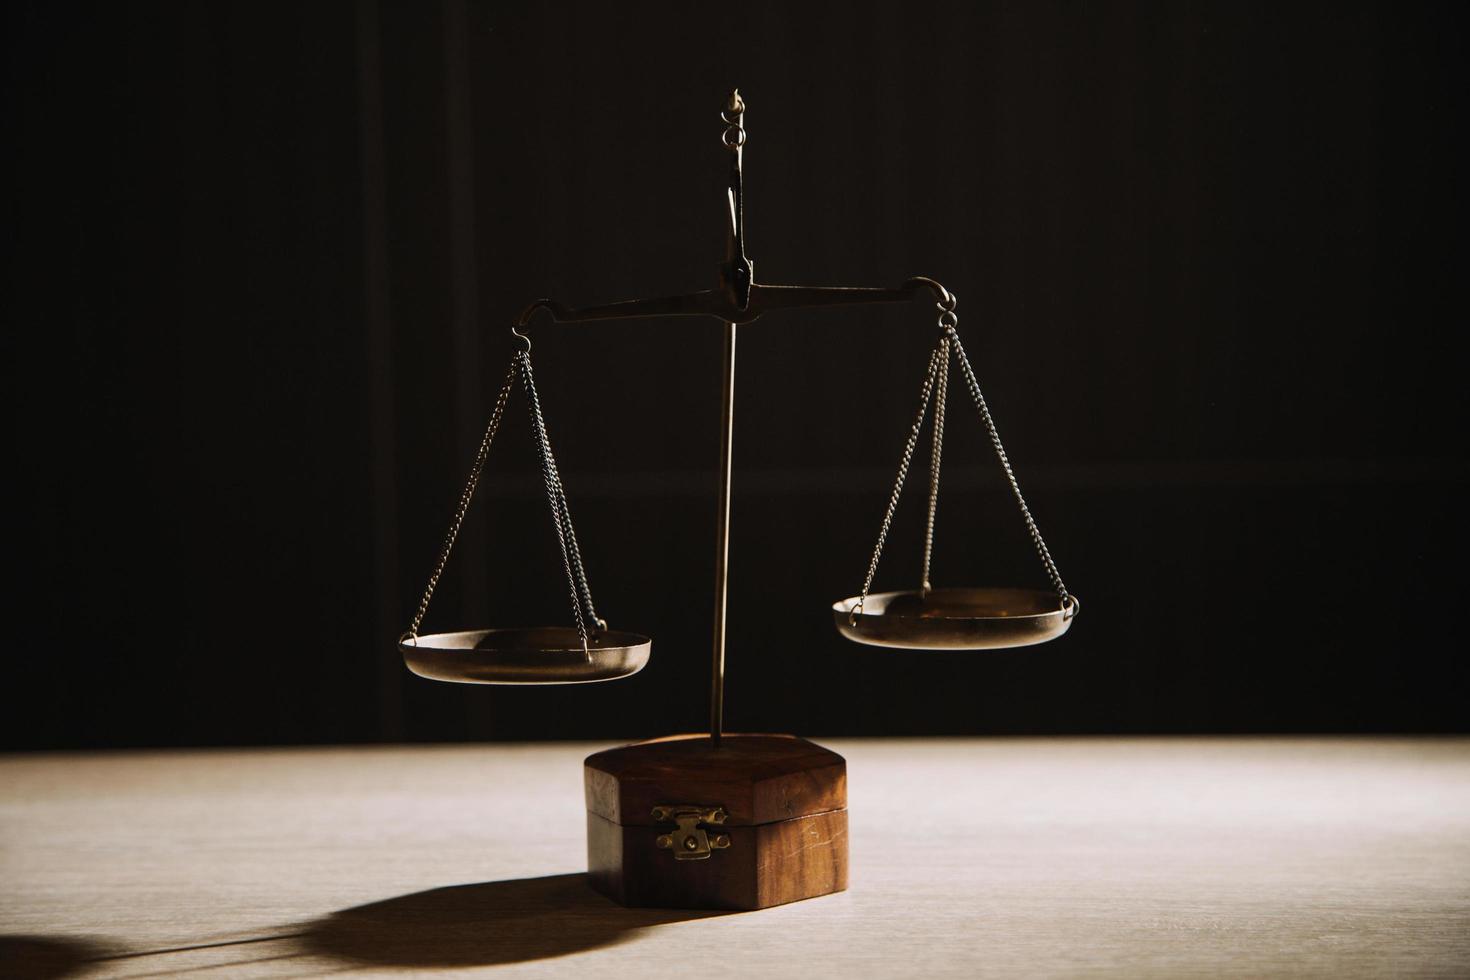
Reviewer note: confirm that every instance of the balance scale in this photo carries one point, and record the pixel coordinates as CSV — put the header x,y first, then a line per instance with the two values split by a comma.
x,y
720,820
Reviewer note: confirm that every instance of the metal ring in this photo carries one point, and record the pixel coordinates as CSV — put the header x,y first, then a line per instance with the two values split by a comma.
x,y
725,114
948,303
1070,606
948,320
408,634
520,336
739,139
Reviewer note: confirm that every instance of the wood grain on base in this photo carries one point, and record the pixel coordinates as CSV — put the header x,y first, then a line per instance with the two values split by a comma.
x,y
785,800
770,864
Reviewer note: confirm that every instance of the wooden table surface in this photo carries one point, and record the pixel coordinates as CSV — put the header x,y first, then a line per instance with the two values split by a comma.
x,y
987,857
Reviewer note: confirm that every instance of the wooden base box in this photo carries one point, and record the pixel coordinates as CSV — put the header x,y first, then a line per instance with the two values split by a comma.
x,y
678,823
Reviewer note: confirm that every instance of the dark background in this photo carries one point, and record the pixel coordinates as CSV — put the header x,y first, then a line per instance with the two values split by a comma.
x,y
262,261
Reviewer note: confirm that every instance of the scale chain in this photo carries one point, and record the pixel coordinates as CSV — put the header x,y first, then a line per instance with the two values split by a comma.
x,y
561,516
903,472
937,378
581,593
1037,541
464,501
940,393
574,553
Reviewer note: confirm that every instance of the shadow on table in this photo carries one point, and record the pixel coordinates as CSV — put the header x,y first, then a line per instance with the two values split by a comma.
x,y
43,957
460,925
482,924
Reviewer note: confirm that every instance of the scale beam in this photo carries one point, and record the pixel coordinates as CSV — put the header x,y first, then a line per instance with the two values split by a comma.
x,y
717,303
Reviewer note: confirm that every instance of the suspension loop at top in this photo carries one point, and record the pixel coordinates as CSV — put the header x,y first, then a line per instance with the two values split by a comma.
x,y
734,108
733,116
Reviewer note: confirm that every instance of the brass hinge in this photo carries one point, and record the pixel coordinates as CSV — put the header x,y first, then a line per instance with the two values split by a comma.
x,y
691,842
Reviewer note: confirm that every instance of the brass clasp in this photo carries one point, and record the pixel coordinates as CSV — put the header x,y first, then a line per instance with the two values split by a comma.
x,y
691,842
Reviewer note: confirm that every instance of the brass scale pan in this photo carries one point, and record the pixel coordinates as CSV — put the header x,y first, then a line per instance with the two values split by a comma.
x,y
582,654
925,619
955,619
943,619
533,655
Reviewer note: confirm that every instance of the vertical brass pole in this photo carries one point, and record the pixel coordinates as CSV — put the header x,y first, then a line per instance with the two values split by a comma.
x,y
722,538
